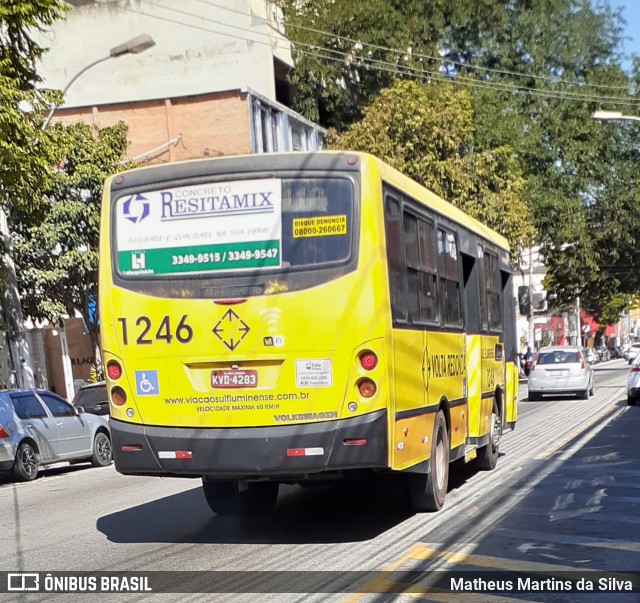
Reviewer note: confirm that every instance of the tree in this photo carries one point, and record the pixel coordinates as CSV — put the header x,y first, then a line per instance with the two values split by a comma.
x,y
56,250
535,72
426,131
26,154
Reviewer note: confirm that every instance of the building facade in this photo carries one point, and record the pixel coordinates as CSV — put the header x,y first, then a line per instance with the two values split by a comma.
x,y
215,83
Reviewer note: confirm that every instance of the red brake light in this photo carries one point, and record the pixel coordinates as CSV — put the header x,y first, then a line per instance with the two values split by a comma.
x,y
114,370
581,359
368,360
3,433
635,369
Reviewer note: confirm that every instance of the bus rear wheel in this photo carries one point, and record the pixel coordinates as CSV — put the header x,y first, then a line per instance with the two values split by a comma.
x,y
427,492
488,455
232,497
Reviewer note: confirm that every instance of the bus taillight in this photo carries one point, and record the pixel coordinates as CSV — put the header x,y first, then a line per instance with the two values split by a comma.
x,y
114,370
367,388
118,396
368,360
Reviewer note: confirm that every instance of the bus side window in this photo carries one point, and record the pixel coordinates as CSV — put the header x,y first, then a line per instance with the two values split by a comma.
x,y
449,273
494,289
395,257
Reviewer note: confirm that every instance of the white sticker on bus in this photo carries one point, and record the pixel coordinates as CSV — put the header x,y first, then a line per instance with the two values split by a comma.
x,y
314,373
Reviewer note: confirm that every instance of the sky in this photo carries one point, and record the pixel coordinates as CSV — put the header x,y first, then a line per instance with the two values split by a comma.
x,y
631,14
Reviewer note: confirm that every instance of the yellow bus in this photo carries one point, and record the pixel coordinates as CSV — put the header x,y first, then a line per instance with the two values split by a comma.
x,y
286,318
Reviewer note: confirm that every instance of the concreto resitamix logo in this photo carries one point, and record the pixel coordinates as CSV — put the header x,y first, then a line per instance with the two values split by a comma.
x,y
178,205
136,208
213,201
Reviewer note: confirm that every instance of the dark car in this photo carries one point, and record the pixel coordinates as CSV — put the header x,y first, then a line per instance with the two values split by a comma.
x,y
92,398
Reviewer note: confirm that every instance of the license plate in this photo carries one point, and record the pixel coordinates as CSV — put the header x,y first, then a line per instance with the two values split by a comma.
x,y
233,378
558,373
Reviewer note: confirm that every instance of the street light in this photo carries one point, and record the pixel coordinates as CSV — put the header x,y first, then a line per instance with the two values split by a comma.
x,y
133,46
612,115
23,364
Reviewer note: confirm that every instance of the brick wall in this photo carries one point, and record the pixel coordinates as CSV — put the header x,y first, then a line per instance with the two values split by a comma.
x,y
210,125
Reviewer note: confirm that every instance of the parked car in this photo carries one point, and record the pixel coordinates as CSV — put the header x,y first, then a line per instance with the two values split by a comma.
x,y
633,386
615,352
633,351
92,397
591,356
39,428
561,370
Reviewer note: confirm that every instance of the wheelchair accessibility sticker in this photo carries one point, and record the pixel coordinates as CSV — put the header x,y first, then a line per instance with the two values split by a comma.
x,y
147,383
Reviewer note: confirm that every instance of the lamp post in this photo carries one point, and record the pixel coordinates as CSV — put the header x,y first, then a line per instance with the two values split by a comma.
x,y
133,46
18,345
613,115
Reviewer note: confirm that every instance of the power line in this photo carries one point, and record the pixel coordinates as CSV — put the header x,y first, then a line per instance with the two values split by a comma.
x,y
385,65
426,56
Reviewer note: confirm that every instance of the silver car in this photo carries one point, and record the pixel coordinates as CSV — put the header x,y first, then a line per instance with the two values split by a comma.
x,y
561,370
633,386
633,352
39,428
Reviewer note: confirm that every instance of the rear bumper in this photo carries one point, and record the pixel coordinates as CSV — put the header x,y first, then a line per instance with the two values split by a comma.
x,y
567,386
251,451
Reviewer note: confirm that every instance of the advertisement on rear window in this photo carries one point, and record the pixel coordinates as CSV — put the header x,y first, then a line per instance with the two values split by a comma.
x,y
215,227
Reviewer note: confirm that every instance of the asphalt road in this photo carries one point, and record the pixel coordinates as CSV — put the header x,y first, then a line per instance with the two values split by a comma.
x,y
564,496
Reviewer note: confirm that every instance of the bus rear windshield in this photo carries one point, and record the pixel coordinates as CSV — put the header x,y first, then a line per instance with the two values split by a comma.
x,y
238,231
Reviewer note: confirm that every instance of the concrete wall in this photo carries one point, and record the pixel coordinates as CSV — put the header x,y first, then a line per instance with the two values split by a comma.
x,y
200,48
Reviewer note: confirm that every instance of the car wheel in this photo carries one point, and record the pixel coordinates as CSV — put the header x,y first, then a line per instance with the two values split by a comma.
x,y
631,401
102,451
225,497
584,394
592,391
25,466
427,491
533,397
488,455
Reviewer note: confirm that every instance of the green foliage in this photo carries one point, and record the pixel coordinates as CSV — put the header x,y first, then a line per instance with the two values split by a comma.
x,y
56,251
93,374
426,132
535,72
26,153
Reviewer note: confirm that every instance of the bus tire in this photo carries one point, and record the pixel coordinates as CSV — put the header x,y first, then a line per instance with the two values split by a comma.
x,y
225,497
427,491
488,455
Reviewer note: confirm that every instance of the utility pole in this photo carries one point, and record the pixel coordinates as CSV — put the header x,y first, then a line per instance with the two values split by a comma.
x,y
20,361
578,325
532,344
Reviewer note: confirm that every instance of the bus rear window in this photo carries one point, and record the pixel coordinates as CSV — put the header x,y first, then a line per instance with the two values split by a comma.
x,y
227,229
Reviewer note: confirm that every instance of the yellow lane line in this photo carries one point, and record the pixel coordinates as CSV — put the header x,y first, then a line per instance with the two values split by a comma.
x,y
373,585
442,595
422,553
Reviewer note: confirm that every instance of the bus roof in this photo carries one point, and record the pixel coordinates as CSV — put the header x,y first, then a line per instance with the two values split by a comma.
x,y
199,168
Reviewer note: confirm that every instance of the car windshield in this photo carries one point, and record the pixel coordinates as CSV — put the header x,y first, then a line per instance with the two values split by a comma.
x,y
558,357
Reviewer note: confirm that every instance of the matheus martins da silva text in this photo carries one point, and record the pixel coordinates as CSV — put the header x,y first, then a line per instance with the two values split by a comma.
x,y
528,584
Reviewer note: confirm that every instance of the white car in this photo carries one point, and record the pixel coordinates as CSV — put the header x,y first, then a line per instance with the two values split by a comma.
x,y
633,352
561,370
633,386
